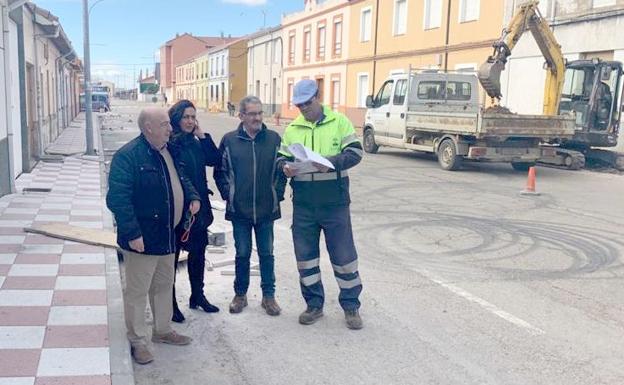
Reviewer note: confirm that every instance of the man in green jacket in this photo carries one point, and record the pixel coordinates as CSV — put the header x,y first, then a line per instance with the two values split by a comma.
x,y
321,202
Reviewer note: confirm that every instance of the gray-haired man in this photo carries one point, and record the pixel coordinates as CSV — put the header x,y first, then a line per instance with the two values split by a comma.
x,y
249,183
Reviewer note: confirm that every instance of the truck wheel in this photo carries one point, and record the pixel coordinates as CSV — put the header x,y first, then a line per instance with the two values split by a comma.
x,y
447,156
522,166
369,142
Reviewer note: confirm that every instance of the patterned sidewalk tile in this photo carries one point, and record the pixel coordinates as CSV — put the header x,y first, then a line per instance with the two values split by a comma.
x,y
17,380
21,337
42,249
25,297
38,259
82,270
29,283
33,270
7,259
78,315
78,336
74,361
79,258
19,362
24,315
79,298
80,283
53,293
73,380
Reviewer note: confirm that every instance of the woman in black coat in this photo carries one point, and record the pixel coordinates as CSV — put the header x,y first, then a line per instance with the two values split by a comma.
x,y
194,150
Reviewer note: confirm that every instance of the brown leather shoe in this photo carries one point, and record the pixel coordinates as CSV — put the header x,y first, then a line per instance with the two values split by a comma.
x,y
270,306
238,303
141,354
172,338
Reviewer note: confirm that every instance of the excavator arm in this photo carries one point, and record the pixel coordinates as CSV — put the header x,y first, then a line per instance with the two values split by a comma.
x,y
527,17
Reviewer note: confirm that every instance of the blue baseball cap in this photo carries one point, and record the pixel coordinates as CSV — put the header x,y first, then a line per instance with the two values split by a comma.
x,y
304,90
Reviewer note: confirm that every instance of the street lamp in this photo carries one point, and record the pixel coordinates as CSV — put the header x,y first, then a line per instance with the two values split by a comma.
x,y
87,75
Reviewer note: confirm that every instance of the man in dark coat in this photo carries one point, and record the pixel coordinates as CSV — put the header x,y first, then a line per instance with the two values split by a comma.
x,y
146,195
249,183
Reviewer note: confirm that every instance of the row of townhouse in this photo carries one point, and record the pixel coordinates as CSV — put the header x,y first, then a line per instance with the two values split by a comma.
x,y
348,47
179,52
40,78
215,76
351,46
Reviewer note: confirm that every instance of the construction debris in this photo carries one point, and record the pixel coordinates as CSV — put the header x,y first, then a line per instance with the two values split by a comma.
x,y
222,263
96,237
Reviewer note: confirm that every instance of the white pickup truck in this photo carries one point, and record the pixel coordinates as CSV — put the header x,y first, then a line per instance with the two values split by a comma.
x,y
440,113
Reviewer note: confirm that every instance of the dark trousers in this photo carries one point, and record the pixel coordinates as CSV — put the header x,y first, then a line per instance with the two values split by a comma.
x,y
195,265
264,244
335,221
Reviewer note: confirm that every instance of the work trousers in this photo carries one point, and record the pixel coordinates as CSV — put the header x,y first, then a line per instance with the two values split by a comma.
x,y
147,276
335,222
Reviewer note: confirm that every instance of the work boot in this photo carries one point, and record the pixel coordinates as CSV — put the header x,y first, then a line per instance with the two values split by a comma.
x,y
310,316
172,338
141,354
270,306
354,321
202,302
238,303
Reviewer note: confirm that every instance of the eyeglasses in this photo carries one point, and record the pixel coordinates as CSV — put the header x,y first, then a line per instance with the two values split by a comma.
x,y
253,114
305,104
188,223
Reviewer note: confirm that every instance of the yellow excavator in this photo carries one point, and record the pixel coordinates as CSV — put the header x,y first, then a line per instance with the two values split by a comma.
x,y
590,89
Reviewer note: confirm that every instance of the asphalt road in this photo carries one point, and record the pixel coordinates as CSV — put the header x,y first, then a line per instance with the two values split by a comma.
x,y
465,282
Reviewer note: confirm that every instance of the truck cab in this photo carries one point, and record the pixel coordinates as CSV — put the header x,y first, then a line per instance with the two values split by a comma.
x,y
385,117
427,92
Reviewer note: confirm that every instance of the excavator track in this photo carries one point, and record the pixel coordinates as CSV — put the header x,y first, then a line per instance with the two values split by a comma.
x,y
612,159
565,159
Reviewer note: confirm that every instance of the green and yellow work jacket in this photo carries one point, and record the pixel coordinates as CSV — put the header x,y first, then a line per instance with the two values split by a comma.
x,y
334,138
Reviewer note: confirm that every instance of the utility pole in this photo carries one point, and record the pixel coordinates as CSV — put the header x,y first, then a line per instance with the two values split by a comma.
x,y
87,78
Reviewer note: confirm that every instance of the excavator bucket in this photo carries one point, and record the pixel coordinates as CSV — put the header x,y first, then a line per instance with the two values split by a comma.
x,y
489,77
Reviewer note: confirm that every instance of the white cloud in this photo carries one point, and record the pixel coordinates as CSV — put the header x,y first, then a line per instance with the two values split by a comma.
x,y
251,3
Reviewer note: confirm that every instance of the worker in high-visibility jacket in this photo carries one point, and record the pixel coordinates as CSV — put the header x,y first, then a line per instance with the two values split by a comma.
x,y
321,202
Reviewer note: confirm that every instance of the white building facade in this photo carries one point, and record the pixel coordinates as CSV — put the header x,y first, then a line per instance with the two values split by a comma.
x,y
264,74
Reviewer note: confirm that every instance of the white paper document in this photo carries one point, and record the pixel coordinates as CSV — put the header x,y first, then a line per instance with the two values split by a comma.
x,y
305,159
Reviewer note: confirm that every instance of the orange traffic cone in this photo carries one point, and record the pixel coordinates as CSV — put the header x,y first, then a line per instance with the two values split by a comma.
x,y
530,186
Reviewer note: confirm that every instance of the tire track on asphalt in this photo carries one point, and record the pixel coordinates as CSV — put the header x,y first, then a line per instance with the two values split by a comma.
x,y
507,240
494,241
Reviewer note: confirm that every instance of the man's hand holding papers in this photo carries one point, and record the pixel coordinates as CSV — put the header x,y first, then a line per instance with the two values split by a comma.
x,y
306,161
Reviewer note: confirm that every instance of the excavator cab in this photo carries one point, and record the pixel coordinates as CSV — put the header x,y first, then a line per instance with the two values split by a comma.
x,y
591,90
